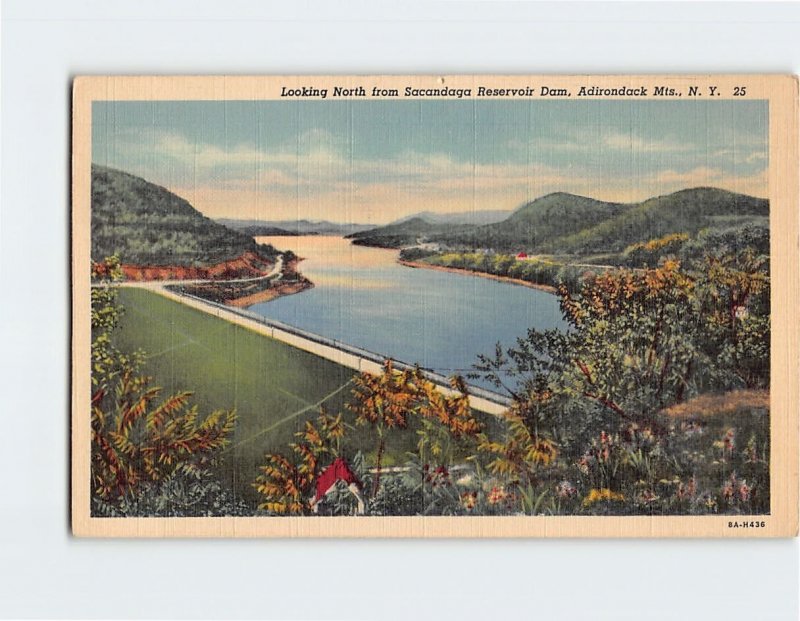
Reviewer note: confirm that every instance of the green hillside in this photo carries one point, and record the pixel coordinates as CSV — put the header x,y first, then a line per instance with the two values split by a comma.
x,y
686,211
564,223
146,224
538,223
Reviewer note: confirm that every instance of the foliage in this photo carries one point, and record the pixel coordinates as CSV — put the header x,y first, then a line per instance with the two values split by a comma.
x,y
535,271
649,253
201,494
287,483
273,380
140,442
654,402
415,253
388,400
145,224
566,223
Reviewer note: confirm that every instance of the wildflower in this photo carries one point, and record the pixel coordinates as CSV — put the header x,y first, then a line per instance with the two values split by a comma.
x,y
603,494
585,462
692,428
605,447
691,487
750,452
729,487
647,435
497,494
729,441
465,480
744,491
440,476
709,502
469,500
565,489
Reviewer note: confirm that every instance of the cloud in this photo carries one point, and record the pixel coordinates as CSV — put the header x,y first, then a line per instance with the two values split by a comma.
x,y
601,140
317,175
631,142
755,184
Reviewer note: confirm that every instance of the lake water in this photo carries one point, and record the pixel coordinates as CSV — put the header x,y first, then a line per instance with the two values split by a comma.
x,y
440,320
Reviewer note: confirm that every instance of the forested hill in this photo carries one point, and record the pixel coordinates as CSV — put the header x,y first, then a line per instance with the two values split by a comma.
x,y
541,222
405,233
145,224
686,211
569,224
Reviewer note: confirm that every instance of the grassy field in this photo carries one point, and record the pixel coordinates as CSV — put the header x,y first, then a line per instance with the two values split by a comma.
x,y
274,387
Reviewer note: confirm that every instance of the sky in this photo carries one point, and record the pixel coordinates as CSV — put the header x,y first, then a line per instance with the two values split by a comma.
x,y
375,161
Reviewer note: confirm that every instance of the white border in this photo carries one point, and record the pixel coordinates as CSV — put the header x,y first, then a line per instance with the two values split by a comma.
x,y
45,573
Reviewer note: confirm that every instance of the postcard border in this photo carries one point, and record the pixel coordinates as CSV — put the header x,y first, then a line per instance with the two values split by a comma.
x,y
781,92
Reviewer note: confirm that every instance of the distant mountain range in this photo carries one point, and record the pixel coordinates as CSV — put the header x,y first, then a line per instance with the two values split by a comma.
x,y
146,224
571,224
406,232
478,217
292,227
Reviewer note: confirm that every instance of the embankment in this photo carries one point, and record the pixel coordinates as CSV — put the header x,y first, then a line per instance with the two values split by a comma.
x,y
458,270
247,265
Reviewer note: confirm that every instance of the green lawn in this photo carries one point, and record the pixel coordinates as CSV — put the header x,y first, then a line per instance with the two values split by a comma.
x,y
274,387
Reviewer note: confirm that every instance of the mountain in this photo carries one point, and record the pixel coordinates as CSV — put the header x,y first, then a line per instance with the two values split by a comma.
x,y
405,233
566,223
547,218
295,227
486,216
685,211
258,230
146,224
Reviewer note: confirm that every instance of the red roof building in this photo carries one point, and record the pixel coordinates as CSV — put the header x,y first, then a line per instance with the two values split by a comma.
x,y
338,471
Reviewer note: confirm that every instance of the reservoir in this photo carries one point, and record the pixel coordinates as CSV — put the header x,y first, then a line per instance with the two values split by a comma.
x,y
439,320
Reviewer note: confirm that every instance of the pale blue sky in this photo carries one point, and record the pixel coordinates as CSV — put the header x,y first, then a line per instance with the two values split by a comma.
x,y
374,161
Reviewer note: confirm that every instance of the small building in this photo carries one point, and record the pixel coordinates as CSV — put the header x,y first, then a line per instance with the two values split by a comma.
x,y
338,471
522,256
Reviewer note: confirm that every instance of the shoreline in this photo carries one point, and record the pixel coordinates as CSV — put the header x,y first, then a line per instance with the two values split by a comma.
x,y
342,354
269,294
237,292
459,270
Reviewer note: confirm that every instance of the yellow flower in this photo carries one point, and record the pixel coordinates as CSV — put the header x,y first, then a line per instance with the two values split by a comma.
x,y
603,494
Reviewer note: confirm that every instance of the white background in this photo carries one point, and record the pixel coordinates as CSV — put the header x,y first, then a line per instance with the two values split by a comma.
x,y
46,573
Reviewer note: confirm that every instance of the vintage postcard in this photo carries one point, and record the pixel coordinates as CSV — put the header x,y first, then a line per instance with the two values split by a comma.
x,y
435,306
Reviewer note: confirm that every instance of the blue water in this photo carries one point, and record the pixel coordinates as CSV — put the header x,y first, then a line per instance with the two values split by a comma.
x,y
439,320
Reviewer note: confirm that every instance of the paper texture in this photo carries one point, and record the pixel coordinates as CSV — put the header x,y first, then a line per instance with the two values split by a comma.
x,y
435,306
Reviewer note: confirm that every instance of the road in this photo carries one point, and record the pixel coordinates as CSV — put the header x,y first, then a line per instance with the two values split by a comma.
x,y
277,269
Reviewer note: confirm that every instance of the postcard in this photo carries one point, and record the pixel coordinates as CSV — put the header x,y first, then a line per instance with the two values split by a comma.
x,y
435,306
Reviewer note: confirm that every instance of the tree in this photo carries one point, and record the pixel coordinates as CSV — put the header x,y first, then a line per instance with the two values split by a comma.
x,y
389,401
643,340
385,402
734,298
138,440
287,484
